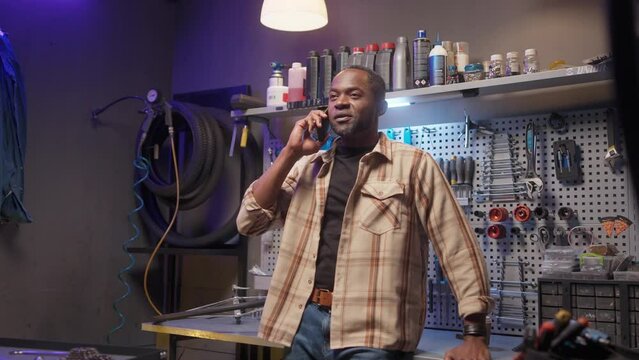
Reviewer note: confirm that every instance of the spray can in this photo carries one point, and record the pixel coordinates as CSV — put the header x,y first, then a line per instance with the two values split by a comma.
x,y
437,65
341,59
326,72
296,77
276,93
421,49
369,55
384,63
312,78
357,57
401,65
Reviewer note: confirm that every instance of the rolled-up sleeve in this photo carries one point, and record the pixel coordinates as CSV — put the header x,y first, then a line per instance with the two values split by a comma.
x,y
453,240
253,219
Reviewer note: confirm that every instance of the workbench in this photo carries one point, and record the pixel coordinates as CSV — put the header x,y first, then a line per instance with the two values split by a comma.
x,y
432,346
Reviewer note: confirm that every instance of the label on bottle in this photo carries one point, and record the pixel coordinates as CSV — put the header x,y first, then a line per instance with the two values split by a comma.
x,y
421,49
512,67
437,70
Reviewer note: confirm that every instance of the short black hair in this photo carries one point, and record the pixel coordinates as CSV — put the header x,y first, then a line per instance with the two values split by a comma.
x,y
375,81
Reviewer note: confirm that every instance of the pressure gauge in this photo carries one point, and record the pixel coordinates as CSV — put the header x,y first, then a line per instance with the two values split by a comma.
x,y
152,96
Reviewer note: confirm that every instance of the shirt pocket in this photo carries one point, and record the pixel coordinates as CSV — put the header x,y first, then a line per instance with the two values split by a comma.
x,y
381,206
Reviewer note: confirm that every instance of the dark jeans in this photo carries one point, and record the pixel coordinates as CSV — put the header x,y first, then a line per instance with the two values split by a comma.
x,y
313,336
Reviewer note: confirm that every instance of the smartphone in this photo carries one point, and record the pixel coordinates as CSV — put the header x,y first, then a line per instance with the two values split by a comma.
x,y
322,133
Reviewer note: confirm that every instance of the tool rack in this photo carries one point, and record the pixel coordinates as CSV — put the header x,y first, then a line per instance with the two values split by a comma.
x,y
514,261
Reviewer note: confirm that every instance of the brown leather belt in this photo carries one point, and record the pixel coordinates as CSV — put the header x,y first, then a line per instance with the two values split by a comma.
x,y
322,297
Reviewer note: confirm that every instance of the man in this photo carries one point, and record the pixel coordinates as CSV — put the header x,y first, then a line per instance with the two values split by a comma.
x,y
351,272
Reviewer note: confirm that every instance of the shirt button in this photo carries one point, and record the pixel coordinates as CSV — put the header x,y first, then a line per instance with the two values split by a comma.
x,y
314,255
310,281
299,306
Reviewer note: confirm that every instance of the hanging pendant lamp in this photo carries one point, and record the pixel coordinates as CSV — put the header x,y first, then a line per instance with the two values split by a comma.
x,y
294,15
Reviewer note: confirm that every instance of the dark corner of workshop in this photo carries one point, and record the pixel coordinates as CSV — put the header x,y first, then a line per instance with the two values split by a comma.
x,y
132,130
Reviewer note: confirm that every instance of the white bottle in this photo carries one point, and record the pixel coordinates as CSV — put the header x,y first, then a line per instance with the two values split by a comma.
x,y
296,77
461,55
276,93
531,63
437,65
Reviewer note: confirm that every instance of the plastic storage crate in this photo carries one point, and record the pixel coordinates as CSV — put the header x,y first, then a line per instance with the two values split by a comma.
x,y
611,306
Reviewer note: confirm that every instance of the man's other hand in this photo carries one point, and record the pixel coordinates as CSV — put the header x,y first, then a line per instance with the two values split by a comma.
x,y
473,348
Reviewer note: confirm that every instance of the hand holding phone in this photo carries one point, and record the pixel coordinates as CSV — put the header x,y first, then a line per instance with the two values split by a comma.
x,y
322,132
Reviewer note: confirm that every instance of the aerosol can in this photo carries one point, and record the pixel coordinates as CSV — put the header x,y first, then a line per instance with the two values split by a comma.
x,y
276,93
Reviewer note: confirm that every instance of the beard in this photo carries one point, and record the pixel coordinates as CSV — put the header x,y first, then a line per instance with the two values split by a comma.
x,y
357,125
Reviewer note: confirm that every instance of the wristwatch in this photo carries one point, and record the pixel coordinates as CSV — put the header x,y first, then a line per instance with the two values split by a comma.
x,y
475,329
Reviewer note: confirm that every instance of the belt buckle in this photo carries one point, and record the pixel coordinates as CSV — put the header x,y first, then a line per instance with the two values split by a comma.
x,y
324,294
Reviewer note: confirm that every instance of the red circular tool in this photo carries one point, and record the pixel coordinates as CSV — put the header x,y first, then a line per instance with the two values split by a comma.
x,y
522,213
498,214
496,231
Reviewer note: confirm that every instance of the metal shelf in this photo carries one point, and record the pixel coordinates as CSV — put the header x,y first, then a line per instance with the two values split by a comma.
x,y
548,81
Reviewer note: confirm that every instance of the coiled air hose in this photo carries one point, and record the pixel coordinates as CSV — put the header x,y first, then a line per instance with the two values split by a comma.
x,y
202,166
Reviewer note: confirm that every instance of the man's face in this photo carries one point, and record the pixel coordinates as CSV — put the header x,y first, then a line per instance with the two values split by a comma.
x,y
352,108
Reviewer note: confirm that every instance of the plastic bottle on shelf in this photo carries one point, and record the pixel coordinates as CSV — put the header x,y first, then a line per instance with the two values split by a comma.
x,y
462,55
276,93
450,59
341,58
326,72
312,78
369,55
512,63
357,57
437,69
531,63
296,77
496,66
384,63
401,65
421,49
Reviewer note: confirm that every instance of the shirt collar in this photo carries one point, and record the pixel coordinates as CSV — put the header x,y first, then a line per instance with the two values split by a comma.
x,y
383,148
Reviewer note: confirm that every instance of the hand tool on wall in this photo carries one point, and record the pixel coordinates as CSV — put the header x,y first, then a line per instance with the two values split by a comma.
x,y
498,214
430,295
565,158
613,157
496,231
453,170
408,136
390,133
534,185
557,123
522,213
565,213
462,171
469,171
469,125
541,213
446,169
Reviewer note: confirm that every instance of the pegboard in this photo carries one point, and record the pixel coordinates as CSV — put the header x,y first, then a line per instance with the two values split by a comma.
x,y
600,192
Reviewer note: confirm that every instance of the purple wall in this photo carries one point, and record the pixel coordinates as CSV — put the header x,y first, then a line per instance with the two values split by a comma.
x,y
59,273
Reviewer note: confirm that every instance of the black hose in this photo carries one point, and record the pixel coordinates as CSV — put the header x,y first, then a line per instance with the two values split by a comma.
x,y
189,118
205,178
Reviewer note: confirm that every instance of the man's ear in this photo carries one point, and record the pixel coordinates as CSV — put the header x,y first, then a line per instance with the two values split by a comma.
x,y
382,106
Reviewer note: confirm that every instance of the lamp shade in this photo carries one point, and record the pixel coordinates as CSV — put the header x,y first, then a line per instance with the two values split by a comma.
x,y
294,15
